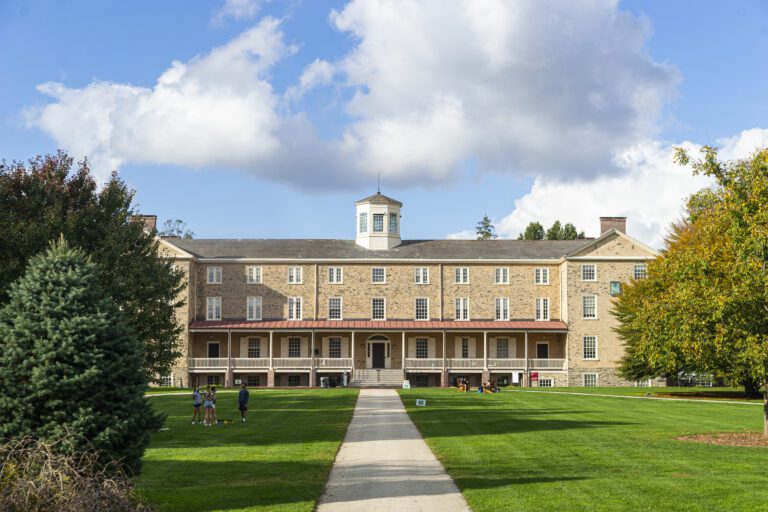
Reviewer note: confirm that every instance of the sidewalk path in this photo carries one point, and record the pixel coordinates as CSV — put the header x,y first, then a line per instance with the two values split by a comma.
x,y
385,465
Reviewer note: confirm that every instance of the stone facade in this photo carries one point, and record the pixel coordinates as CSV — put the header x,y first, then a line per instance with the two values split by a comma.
x,y
559,354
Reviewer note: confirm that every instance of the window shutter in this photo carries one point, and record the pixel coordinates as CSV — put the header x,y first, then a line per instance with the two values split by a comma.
x,y
325,346
457,347
344,347
492,348
513,348
283,347
304,348
431,348
411,348
244,346
472,348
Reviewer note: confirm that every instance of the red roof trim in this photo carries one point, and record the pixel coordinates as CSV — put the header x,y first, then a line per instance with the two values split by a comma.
x,y
380,325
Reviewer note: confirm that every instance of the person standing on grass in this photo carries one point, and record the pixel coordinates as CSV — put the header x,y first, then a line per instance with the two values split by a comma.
x,y
213,409
242,401
208,406
197,401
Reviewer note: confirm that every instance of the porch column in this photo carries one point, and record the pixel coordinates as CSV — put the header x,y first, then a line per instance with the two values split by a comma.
x,y
405,353
228,376
352,341
443,371
486,373
526,377
271,371
312,360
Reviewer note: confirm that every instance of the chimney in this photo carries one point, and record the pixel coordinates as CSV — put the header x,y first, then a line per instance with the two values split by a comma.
x,y
617,223
150,221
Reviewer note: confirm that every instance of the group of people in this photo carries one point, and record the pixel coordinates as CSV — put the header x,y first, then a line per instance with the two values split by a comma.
x,y
207,400
464,386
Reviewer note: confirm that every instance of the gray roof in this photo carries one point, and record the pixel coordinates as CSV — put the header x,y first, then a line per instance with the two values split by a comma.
x,y
379,198
408,249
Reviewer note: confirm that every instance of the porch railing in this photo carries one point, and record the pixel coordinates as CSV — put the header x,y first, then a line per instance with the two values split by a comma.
x,y
506,363
207,362
250,362
333,362
464,363
292,362
424,363
546,364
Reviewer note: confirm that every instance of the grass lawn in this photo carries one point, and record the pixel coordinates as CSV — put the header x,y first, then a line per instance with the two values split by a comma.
x,y
539,451
664,392
278,460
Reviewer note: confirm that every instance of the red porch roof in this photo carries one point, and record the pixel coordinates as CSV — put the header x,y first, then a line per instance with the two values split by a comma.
x,y
390,325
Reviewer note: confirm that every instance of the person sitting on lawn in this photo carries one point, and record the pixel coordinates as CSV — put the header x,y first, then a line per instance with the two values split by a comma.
x,y
242,401
197,401
208,406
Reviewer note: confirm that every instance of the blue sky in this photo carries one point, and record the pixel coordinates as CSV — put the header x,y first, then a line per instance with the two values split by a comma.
x,y
521,110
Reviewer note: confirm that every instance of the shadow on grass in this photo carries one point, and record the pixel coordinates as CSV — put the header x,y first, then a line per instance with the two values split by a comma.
x,y
175,485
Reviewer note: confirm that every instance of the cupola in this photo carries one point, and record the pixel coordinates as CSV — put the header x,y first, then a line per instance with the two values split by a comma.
x,y
378,222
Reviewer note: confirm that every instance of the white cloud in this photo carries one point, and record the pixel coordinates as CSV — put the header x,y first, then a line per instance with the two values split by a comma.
x,y
650,191
319,72
237,10
530,86
215,109
465,234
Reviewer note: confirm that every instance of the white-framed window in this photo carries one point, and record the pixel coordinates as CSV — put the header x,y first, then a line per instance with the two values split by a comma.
x,y
590,347
462,308
335,275
541,276
422,348
253,381
214,308
589,306
294,381
502,308
254,308
542,309
590,380
546,383
294,347
334,308
214,275
378,222
421,275
502,348
295,275
378,308
253,274
589,272
378,275
641,271
334,348
422,308
294,308
501,275
166,381
363,226
465,348
461,275
393,223
254,347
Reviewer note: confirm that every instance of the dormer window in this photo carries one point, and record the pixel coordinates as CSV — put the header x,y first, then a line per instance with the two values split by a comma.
x,y
378,222
393,223
363,222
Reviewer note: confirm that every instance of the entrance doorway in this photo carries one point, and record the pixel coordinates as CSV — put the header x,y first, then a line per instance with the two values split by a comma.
x,y
542,350
378,355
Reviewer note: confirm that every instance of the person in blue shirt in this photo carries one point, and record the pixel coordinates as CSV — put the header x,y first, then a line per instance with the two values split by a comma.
x,y
242,401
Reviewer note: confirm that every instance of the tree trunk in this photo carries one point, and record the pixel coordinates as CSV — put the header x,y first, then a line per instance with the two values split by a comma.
x,y
765,409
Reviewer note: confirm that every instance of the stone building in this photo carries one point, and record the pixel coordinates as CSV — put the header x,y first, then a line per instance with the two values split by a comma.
x,y
377,309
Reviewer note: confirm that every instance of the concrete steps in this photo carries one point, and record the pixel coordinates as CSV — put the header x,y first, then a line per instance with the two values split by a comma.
x,y
377,378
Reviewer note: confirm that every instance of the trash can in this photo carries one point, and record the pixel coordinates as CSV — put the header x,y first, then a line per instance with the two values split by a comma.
x,y
323,382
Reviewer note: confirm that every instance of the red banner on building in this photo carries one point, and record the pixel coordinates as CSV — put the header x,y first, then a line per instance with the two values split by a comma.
x,y
534,376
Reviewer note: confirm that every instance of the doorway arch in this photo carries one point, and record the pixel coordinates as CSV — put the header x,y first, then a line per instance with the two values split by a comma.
x,y
378,352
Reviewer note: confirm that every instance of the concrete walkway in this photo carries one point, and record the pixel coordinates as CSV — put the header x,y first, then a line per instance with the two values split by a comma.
x,y
385,465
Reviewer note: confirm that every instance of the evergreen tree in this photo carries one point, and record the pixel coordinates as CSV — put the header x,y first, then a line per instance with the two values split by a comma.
x,y
534,231
569,233
485,229
555,232
47,198
70,363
